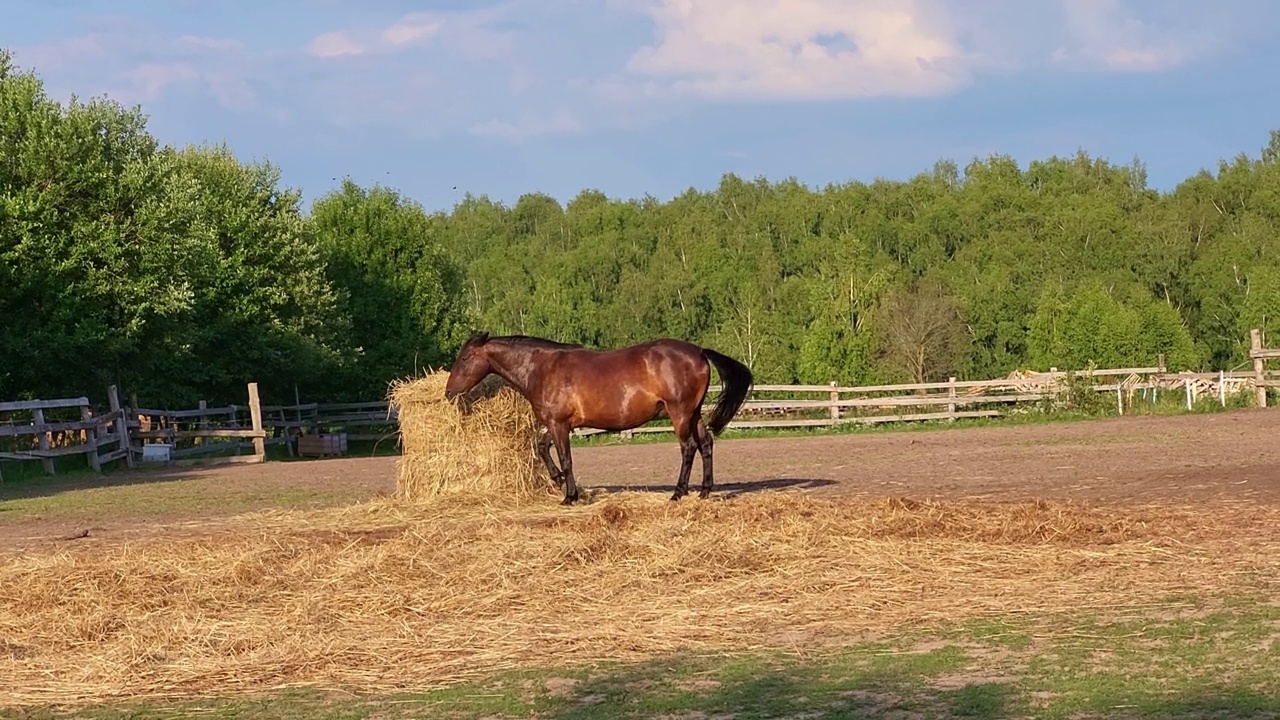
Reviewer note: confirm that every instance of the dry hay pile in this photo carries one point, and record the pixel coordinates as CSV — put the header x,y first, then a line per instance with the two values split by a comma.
x,y
390,595
478,448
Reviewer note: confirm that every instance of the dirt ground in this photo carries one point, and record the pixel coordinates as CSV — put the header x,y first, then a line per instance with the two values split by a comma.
x,y
1179,458
1190,458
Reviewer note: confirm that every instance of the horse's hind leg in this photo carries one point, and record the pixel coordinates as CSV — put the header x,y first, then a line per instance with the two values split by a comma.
x,y
688,448
544,451
705,442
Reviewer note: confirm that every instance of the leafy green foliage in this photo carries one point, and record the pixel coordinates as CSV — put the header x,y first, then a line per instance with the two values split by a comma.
x,y
404,298
1067,263
178,275
184,273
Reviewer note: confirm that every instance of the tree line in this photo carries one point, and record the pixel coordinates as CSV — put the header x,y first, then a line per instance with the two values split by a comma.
x,y
182,273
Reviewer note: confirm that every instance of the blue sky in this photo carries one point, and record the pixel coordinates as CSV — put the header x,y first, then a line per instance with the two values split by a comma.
x,y
654,96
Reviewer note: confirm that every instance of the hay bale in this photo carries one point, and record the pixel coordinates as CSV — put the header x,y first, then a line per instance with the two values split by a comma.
x,y
480,446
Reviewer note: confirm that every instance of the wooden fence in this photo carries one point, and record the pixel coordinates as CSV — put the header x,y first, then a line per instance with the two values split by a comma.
x,y
200,435
241,433
357,420
194,435
1260,354
792,406
101,438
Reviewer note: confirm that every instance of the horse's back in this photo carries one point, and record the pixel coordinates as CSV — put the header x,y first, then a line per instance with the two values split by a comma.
x,y
659,362
680,355
626,387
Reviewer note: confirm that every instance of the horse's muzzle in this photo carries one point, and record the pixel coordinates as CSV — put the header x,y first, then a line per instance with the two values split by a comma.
x,y
450,394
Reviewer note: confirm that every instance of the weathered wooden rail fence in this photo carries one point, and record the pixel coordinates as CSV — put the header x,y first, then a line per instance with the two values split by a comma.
x,y
101,438
791,406
47,429
238,433
321,418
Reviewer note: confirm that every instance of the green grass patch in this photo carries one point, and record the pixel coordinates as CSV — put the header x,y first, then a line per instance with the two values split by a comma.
x,y
1207,664
96,499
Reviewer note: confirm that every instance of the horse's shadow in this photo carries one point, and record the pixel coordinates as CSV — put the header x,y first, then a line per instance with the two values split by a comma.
x,y
727,489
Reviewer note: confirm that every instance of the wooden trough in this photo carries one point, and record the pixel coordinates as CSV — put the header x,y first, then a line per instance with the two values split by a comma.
x,y
317,445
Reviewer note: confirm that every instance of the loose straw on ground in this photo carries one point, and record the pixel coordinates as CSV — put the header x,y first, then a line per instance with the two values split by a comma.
x,y
473,568
388,595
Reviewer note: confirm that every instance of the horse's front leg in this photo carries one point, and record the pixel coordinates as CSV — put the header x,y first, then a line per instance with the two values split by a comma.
x,y
544,451
560,436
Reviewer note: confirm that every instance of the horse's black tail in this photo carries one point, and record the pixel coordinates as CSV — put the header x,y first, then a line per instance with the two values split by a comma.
x,y
737,381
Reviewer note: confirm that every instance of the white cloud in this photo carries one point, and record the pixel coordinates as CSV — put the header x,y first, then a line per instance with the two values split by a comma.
x,y
133,65
208,43
471,34
1105,34
66,55
560,123
803,49
333,44
231,89
850,49
411,28
429,73
150,79
511,70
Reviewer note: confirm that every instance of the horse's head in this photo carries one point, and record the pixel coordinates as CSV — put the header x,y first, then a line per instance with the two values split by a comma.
x,y
470,367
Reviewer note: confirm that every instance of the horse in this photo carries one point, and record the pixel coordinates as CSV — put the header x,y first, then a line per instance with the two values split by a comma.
x,y
570,386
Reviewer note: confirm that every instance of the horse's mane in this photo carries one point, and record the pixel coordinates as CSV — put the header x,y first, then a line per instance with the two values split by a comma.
x,y
480,338
529,340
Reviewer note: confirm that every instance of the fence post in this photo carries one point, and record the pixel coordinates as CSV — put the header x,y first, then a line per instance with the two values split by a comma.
x,y
284,432
1222,387
44,441
1119,399
1259,369
835,398
233,422
113,397
951,395
203,424
91,439
1161,369
1186,387
255,415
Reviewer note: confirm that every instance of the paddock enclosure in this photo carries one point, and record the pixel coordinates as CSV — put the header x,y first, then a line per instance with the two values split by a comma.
x,y
806,542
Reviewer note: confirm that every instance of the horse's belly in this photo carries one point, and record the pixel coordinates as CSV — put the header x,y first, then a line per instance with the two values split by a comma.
x,y
619,411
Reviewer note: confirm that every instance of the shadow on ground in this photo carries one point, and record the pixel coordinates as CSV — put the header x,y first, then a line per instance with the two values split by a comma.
x,y
883,690
46,485
880,686
30,482
725,489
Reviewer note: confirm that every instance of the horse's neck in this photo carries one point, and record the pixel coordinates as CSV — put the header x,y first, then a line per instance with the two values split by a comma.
x,y
513,364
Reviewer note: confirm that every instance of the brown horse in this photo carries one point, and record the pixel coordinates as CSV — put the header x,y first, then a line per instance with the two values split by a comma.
x,y
570,386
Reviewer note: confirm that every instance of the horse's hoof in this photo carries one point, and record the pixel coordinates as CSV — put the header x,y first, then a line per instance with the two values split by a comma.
x,y
676,497
704,494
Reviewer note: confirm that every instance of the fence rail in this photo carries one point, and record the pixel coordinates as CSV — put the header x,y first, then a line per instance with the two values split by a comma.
x,y
241,433
961,399
100,438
